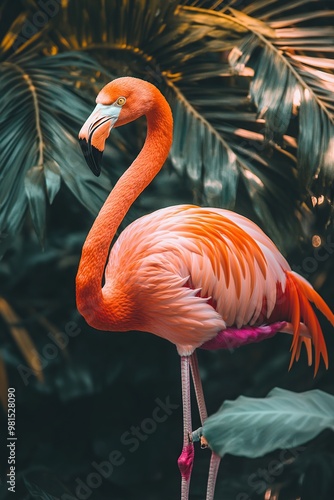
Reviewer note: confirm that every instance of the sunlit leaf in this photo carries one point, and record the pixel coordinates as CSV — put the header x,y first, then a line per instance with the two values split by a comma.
x,y
184,47
290,84
22,338
253,24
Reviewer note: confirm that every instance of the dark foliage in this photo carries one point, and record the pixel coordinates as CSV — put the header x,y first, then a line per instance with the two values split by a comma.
x,y
256,149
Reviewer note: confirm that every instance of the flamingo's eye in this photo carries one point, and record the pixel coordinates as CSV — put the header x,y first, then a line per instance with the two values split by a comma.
x,y
120,101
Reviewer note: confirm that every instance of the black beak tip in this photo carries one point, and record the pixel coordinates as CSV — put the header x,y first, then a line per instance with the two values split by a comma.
x,y
93,156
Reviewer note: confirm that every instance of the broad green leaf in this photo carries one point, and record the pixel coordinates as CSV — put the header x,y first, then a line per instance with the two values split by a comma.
x,y
252,427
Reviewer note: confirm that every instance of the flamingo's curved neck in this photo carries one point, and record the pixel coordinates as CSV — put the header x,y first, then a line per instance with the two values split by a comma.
x,y
141,172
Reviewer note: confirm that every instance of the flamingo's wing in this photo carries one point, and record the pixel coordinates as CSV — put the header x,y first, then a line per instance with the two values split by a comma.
x,y
195,271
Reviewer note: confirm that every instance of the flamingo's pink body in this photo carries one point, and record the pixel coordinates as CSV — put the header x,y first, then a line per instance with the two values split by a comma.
x,y
195,276
186,273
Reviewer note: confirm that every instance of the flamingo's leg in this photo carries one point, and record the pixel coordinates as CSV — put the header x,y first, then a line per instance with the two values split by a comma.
x,y
213,471
185,461
215,459
198,387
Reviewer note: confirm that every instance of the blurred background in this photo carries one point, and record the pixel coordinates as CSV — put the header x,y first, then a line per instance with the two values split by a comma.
x,y
251,85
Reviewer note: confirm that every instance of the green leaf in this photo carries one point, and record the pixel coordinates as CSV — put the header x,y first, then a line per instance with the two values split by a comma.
x,y
182,55
200,151
252,427
290,87
52,179
34,184
219,137
43,108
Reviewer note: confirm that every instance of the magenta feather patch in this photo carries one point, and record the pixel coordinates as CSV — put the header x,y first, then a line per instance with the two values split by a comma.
x,y
232,337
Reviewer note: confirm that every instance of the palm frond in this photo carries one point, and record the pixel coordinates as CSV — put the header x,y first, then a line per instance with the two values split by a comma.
x,y
212,136
164,36
196,143
37,129
182,48
289,83
224,132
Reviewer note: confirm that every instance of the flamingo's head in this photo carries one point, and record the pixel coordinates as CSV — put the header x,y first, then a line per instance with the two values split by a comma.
x,y
119,102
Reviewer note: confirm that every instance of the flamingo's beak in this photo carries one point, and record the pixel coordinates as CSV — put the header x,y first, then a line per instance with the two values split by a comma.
x,y
95,131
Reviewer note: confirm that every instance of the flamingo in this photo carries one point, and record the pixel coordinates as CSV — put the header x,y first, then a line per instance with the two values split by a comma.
x,y
198,277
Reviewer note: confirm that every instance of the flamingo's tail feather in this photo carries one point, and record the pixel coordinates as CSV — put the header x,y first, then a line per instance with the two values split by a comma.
x,y
301,295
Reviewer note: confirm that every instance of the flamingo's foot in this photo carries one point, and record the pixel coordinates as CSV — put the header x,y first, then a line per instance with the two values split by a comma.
x,y
186,461
197,435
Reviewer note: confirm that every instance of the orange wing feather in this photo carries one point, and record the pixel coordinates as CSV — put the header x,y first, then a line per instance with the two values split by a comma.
x,y
185,273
